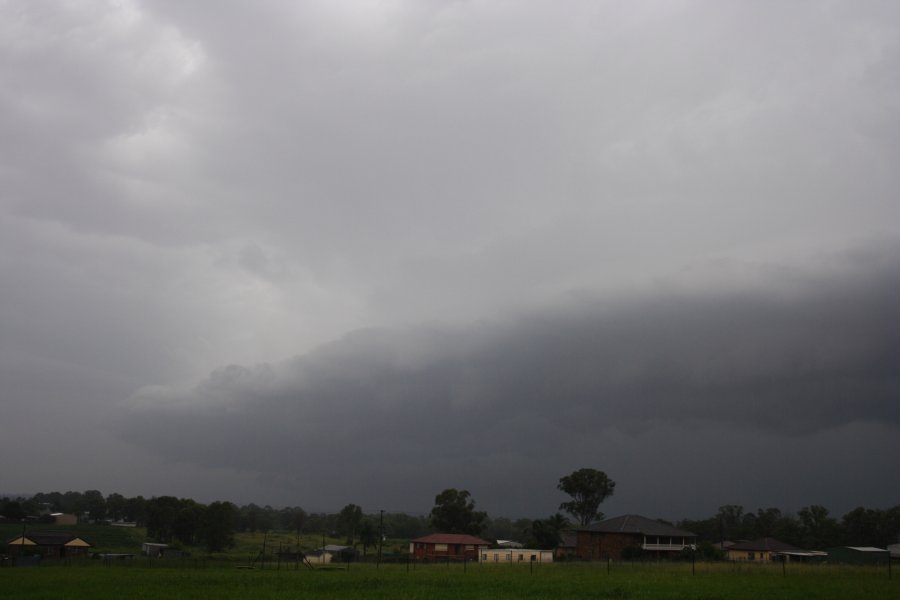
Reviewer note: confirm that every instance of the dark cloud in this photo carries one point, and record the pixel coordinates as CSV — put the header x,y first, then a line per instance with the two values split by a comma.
x,y
605,235
389,409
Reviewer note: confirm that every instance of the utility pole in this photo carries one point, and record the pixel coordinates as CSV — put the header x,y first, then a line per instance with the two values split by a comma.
x,y
380,536
22,549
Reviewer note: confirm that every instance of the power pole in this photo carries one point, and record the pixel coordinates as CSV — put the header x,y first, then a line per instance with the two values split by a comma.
x,y
380,535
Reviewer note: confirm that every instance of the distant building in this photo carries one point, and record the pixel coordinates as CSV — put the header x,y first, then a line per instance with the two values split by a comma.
x,y
448,545
894,550
859,555
608,539
49,544
329,553
567,545
759,550
153,549
515,555
64,519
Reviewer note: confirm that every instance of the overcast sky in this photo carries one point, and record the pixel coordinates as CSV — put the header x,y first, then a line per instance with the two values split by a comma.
x,y
314,253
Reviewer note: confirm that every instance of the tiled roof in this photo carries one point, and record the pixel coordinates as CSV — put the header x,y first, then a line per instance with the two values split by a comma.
x,y
48,538
636,524
766,544
451,538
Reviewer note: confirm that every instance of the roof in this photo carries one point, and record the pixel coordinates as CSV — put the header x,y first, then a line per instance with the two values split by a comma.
x,y
864,548
766,544
636,524
50,538
451,538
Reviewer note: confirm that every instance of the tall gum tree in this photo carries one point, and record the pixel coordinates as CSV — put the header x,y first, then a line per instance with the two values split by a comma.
x,y
588,489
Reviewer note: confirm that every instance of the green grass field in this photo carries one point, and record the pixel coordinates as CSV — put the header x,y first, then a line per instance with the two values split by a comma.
x,y
91,579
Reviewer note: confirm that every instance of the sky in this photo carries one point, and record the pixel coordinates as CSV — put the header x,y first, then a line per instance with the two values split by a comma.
x,y
318,253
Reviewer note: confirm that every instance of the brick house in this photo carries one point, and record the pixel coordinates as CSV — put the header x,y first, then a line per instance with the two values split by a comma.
x,y
607,539
448,545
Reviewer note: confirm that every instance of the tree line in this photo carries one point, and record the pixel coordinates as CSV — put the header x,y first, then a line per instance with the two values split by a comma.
x,y
812,527
183,520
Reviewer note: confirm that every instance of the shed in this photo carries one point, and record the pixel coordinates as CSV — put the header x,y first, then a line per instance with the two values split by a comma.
x,y
153,549
329,553
515,555
859,555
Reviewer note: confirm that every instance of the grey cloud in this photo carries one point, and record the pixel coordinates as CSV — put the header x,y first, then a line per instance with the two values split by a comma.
x,y
389,406
539,224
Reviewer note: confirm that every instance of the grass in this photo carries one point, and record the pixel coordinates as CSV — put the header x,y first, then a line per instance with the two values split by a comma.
x,y
666,581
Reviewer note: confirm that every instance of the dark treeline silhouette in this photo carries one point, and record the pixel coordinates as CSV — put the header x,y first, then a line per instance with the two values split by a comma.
x,y
811,528
171,519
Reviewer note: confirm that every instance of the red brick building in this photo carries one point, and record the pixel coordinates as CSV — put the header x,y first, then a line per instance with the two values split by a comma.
x,y
607,539
448,545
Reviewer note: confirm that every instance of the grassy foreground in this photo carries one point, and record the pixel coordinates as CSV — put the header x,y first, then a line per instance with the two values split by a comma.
x,y
90,580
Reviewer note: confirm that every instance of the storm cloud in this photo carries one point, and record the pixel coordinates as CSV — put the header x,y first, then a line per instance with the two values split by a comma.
x,y
449,243
405,409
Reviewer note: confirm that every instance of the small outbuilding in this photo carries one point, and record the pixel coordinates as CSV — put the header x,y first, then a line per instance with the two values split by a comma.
x,y
330,553
153,549
859,555
64,519
448,545
515,555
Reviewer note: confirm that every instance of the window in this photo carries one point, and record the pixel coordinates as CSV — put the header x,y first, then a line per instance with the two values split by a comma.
x,y
751,556
440,547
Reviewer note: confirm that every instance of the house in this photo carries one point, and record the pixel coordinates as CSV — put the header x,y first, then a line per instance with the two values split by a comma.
x,y
515,555
760,550
607,539
49,544
448,545
859,555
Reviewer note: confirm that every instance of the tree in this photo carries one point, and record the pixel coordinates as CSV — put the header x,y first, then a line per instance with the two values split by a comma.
x,y
546,534
368,535
217,526
115,506
454,512
731,522
349,520
161,514
12,510
187,521
94,505
819,530
588,489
